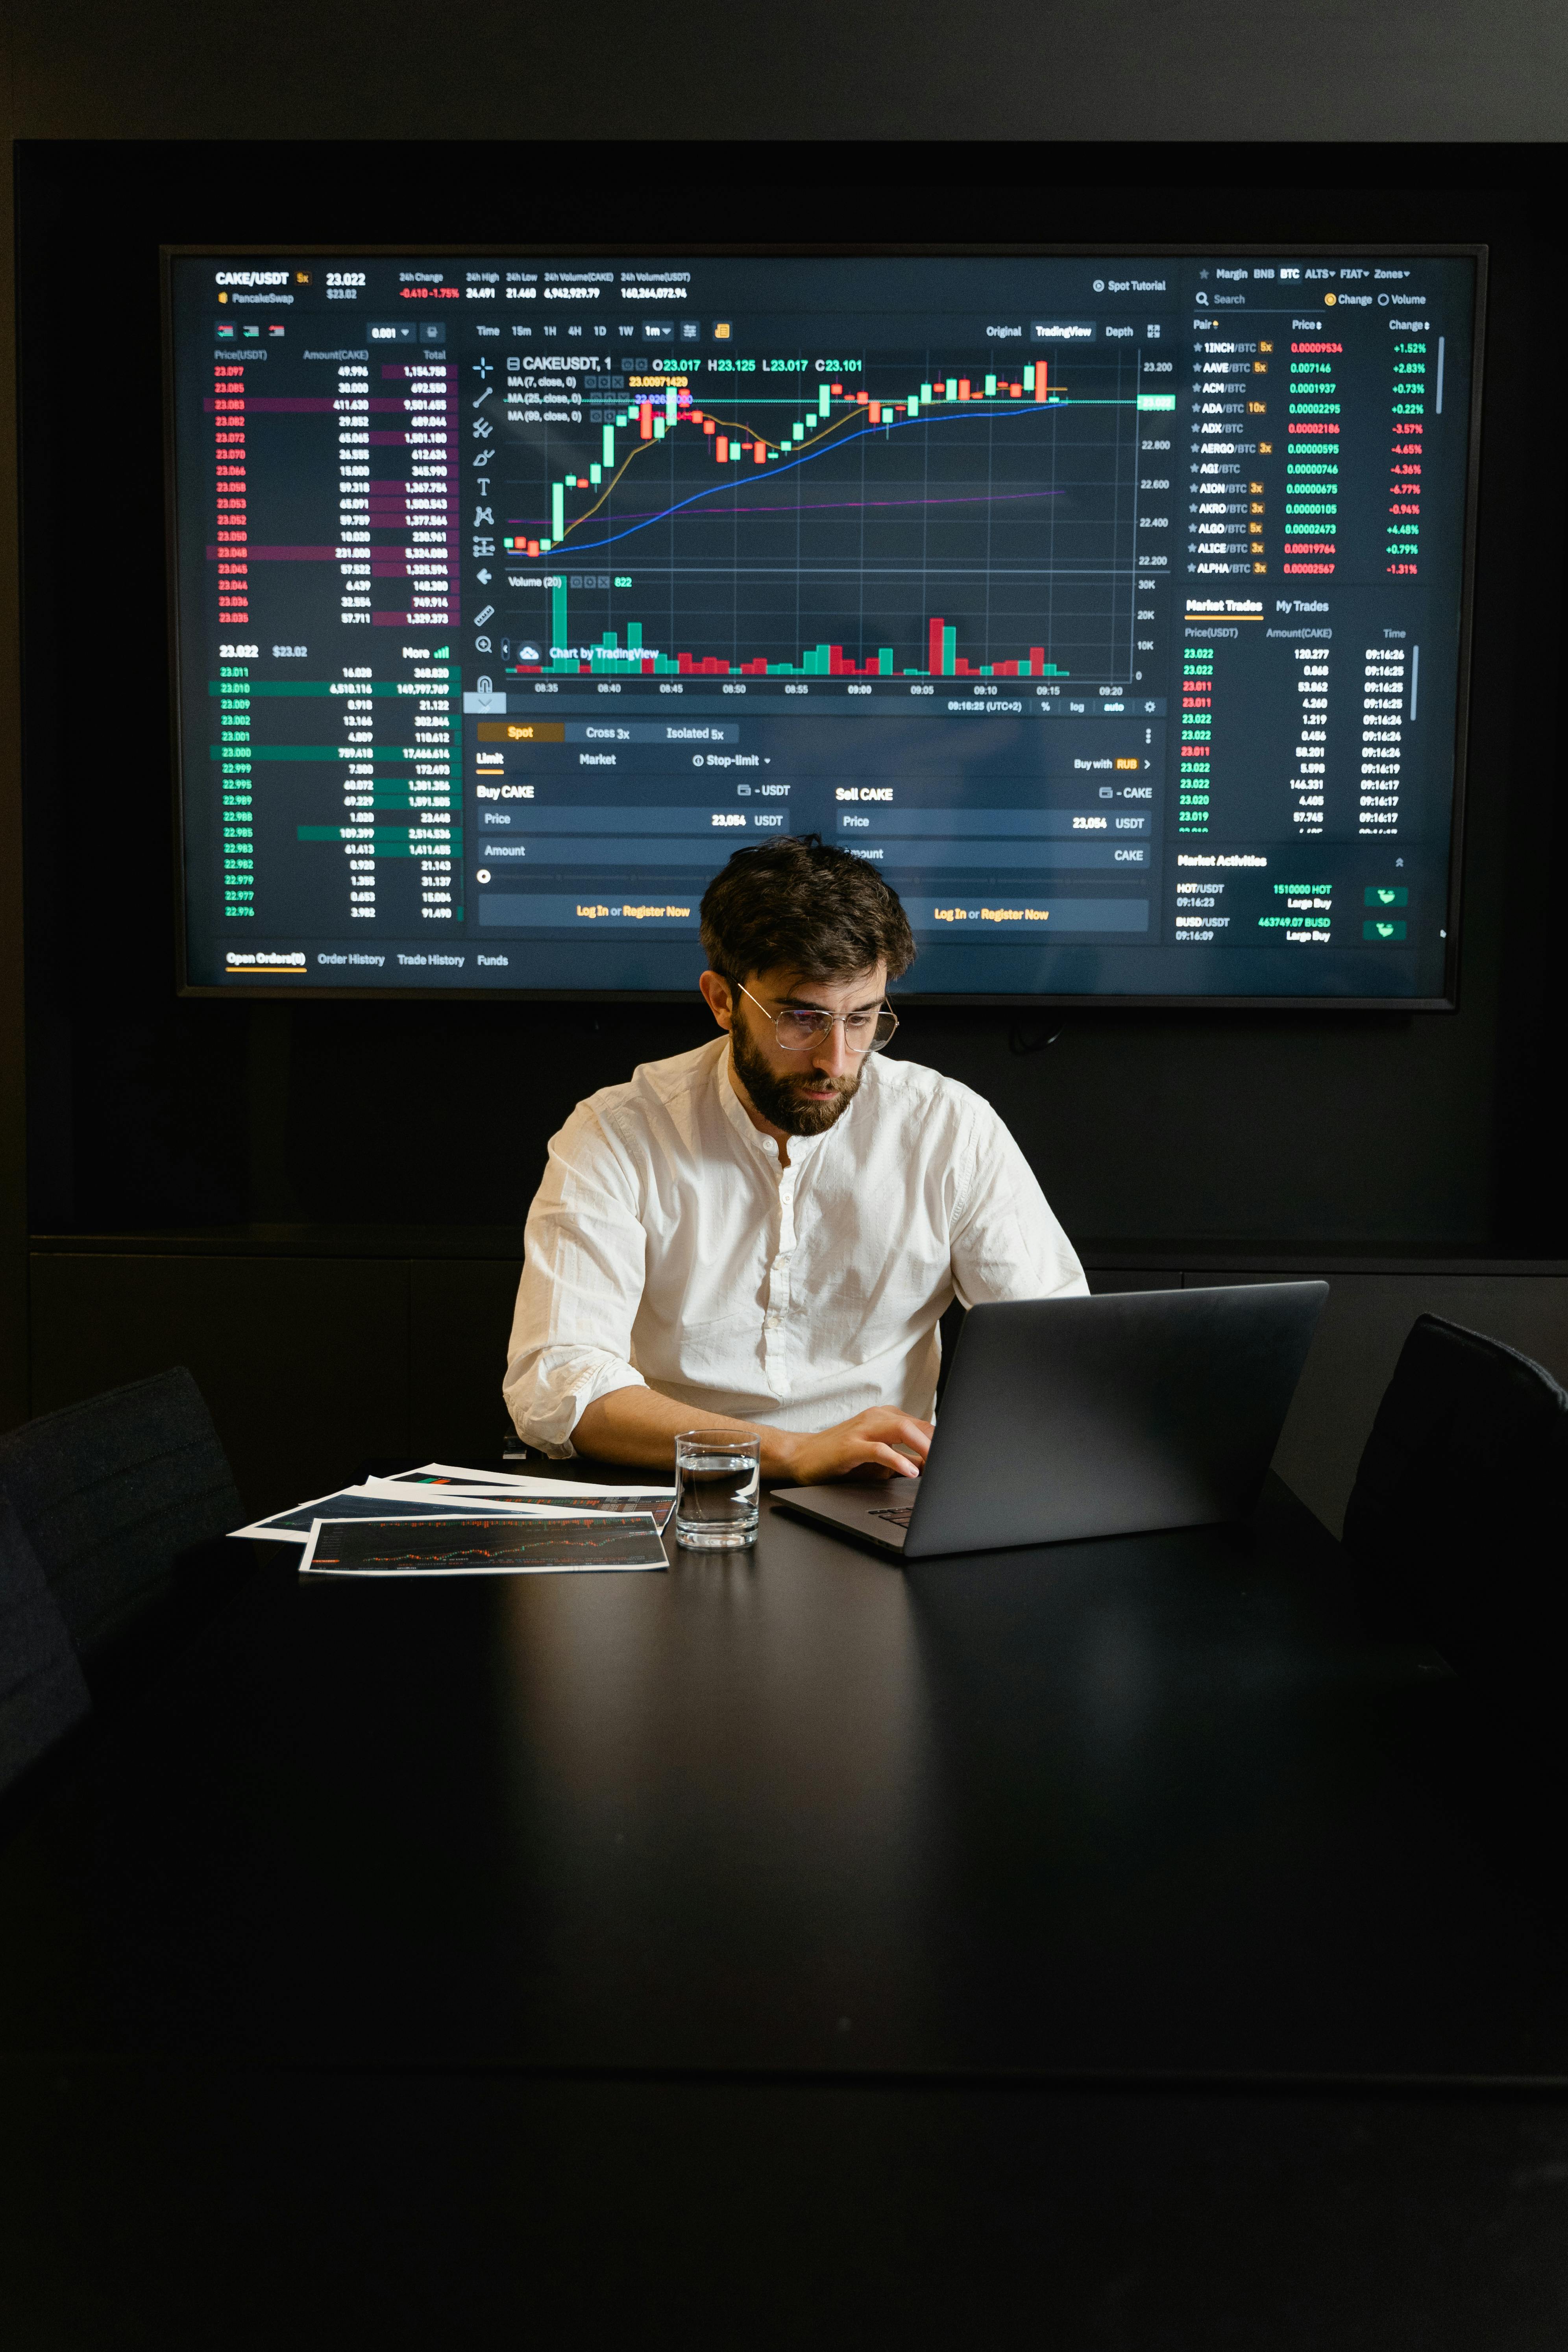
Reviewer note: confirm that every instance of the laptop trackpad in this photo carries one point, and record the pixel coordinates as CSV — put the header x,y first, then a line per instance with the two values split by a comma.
x,y
889,1501
879,1494
879,1510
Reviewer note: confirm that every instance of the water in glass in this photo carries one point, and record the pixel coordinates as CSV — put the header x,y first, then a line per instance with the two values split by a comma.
x,y
717,1485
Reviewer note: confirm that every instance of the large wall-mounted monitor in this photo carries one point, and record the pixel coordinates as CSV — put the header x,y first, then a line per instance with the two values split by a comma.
x,y
1114,604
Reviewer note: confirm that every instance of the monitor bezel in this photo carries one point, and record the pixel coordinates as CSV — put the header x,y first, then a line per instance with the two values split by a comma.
x,y
1393,248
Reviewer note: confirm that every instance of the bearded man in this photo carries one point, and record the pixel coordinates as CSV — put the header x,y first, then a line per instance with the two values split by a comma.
x,y
762,1236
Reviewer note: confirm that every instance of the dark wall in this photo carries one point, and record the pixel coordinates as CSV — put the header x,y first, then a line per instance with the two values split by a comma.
x,y
152,1113
147,1113
1209,70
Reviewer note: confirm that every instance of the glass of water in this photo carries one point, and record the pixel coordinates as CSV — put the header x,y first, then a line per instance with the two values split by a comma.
x,y
717,1480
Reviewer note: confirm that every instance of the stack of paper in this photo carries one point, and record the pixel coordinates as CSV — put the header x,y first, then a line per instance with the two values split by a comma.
x,y
442,1519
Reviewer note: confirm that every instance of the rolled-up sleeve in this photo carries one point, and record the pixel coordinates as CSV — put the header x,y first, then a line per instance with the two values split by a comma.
x,y
1006,1243
585,1264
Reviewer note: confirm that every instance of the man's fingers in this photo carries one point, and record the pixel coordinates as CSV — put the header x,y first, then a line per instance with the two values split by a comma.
x,y
904,1432
886,1458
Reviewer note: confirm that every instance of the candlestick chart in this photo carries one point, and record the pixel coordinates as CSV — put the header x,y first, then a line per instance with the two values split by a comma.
x,y
799,517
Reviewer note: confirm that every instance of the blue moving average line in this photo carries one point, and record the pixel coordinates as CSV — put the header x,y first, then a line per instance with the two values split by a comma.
x,y
810,457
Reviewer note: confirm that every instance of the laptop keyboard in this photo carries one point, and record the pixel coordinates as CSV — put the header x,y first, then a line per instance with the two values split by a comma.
x,y
901,1519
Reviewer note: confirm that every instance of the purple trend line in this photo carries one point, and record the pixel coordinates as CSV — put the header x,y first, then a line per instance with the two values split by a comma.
x,y
808,458
830,506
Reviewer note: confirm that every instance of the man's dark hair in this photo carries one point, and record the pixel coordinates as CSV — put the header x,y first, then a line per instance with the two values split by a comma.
x,y
801,903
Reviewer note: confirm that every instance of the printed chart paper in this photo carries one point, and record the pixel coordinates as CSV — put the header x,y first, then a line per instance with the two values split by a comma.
x,y
508,1481
583,1543
370,1501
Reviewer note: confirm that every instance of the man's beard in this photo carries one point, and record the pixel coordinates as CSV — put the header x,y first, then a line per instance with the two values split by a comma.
x,y
781,1100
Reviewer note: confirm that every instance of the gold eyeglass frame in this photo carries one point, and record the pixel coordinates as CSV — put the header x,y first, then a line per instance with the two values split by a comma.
x,y
799,1012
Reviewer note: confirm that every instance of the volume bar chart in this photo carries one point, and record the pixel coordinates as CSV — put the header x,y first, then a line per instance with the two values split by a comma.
x,y
610,658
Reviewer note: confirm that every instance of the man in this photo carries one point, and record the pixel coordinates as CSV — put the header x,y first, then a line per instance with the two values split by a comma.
x,y
762,1235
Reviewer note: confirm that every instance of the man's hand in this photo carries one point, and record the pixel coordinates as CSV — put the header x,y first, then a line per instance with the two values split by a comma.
x,y
878,1444
638,1426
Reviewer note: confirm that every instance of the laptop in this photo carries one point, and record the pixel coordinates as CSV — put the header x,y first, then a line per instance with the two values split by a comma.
x,y
1064,1418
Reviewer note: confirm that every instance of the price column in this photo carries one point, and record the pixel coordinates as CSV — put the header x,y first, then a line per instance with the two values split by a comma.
x,y
1313,459
232,688
231,532
1197,745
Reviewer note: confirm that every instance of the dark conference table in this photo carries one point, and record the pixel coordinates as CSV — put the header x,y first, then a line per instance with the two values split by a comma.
x,y
1117,1887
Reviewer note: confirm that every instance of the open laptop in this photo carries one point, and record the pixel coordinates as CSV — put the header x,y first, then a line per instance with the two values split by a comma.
x,y
1070,1417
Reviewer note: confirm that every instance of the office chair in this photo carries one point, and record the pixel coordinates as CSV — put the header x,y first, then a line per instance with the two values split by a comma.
x,y
42,1694
116,1496
1459,1518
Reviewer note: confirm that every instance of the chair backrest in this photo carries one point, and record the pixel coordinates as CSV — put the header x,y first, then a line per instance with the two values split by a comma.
x,y
112,1493
43,1693
1458,1517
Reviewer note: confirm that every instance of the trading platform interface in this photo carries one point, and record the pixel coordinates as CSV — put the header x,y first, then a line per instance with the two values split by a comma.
x,y
1112,607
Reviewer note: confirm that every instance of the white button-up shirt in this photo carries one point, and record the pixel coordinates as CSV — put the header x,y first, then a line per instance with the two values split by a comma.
x,y
668,1248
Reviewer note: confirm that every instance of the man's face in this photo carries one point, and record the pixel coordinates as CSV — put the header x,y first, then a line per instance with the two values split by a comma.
x,y
801,1091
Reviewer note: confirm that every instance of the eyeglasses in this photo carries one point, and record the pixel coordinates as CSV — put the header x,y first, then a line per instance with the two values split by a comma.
x,y
797,1030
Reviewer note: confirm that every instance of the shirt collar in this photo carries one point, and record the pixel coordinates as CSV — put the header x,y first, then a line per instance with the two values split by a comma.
x,y
801,1147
